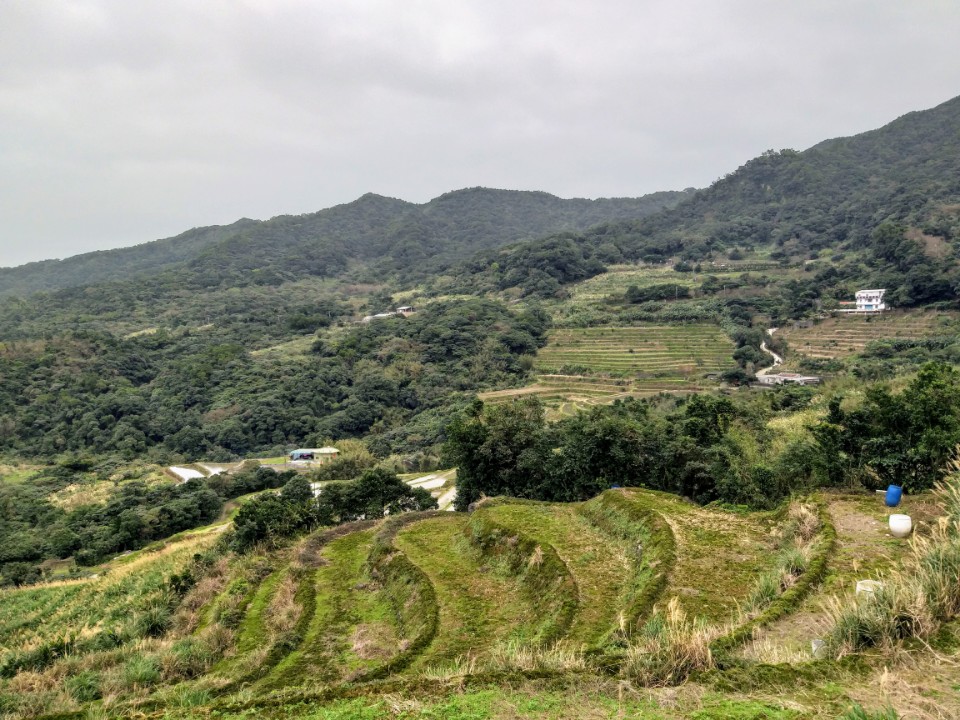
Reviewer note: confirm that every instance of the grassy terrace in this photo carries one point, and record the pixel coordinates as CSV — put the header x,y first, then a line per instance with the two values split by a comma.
x,y
620,277
484,571
865,550
652,350
597,563
849,334
351,628
718,553
478,608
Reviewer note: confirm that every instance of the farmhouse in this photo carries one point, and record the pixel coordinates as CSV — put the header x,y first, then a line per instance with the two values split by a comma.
x,y
868,301
314,455
787,379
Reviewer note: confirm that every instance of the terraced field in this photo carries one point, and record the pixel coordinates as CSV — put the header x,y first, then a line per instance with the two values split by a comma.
x,y
620,277
649,351
847,335
865,550
420,598
593,366
478,608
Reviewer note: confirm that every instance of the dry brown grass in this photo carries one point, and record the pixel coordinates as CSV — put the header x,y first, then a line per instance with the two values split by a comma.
x,y
560,657
78,494
284,611
914,600
669,648
804,523
188,614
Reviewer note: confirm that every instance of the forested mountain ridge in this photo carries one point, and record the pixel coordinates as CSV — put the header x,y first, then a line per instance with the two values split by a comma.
x,y
392,234
884,205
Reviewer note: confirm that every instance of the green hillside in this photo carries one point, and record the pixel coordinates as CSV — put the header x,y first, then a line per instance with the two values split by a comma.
x,y
635,603
391,235
879,209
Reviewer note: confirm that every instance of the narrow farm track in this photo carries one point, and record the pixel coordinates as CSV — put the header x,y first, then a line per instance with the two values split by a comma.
x,y
597,563
478,607
864,550
718,553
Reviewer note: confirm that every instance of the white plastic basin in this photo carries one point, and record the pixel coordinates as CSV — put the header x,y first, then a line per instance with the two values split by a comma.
x,y
900,525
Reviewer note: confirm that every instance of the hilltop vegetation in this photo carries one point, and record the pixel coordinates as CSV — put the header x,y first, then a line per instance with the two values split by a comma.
x,y
203,394
387,235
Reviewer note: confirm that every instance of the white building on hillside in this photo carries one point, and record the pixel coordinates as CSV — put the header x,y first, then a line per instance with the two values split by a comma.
x,y
870,301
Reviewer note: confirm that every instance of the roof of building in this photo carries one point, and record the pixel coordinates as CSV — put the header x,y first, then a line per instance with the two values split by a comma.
x,y
879,290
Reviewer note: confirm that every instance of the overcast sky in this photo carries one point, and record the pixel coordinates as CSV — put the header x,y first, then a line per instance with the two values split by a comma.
x,y
125,121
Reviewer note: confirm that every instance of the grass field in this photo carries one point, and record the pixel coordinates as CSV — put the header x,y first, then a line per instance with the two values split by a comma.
x,y
580,367
865,550
478,608
847,335
618,278
730,549
650,350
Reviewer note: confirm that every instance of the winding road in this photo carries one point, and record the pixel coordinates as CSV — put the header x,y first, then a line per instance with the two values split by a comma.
x,y
777,360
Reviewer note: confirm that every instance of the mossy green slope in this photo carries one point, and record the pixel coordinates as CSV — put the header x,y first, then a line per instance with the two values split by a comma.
x,y
351,628
718,553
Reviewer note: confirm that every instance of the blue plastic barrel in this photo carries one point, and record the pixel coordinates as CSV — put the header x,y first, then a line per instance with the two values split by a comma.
x,y
894,493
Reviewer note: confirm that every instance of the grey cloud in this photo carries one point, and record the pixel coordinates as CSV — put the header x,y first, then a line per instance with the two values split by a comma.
x,y
121,122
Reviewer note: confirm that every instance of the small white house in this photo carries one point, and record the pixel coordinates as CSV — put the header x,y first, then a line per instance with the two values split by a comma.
x,y
870,301
787,379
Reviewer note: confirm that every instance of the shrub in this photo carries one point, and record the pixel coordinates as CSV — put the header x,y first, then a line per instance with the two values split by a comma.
x,y
84,686
858,713
141,671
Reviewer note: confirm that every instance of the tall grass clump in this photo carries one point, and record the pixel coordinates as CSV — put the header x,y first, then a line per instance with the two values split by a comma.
x,y
668,648
515,656
858,713
914,601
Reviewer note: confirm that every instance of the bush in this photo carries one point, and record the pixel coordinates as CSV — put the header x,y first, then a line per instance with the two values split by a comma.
x,y
84,687
141,671
858,713
670,647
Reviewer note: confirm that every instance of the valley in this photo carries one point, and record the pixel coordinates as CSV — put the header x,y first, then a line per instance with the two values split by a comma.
x,y
552,485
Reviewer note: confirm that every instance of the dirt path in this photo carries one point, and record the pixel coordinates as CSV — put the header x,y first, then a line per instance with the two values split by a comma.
x,y
864,550
777,360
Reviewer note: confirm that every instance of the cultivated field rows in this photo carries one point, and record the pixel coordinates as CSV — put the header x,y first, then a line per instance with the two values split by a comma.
x,y
428,596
